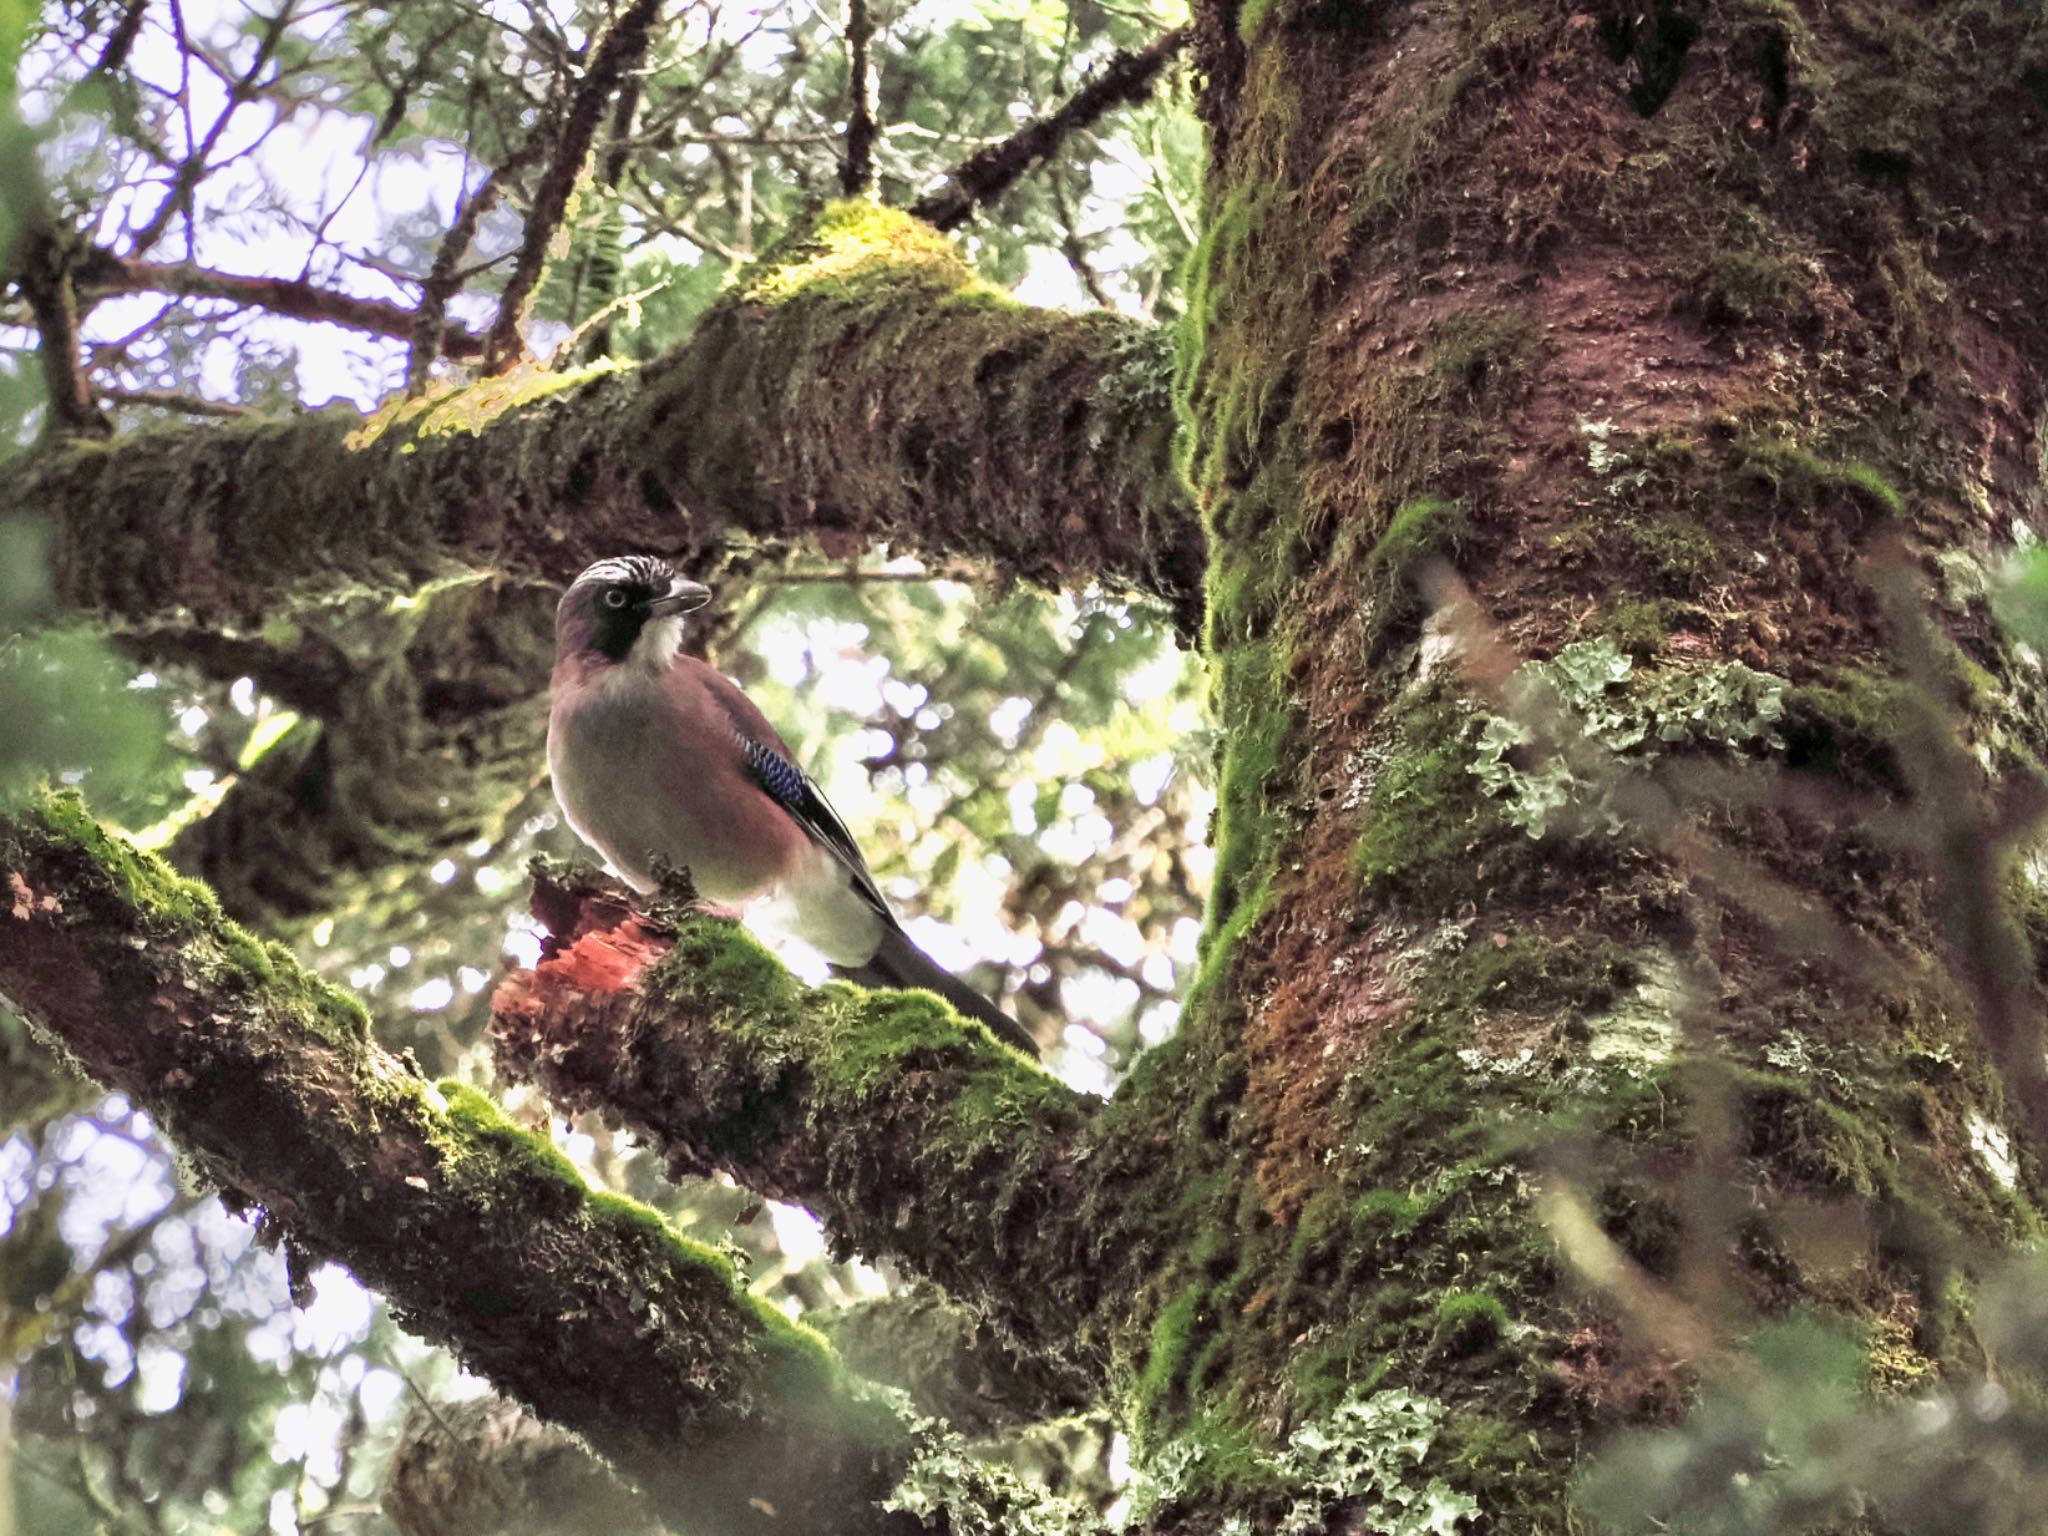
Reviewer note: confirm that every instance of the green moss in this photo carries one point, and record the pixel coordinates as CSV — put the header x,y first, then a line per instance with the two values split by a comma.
x,y
854,240
489,1151
1387,1213
1425,529
1426,815
184,914
470,408
1788,1125
1800,478
1581,974
1250,686
1637,627
1161,1382
1252,16
1386,171
1743,284
1645,1224
1468,1323
1483,352
725,971
1847,726
1676,552
482,1129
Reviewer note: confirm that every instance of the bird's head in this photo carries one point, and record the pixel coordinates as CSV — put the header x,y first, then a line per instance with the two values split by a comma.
x,y
628,609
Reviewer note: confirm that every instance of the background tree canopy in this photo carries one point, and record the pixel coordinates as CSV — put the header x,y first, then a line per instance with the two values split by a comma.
x,y
253,200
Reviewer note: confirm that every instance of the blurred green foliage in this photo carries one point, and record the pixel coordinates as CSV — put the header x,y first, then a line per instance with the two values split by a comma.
x,y
74,716
1788,1437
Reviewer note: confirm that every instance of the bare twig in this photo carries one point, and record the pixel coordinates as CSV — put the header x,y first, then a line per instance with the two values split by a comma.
x,y
990,172
429,324
187,176
121,40
1074,247
857,173
617,53
599,325
106,273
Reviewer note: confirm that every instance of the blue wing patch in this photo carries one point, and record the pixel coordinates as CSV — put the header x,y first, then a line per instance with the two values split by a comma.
x,y
776,774
794,790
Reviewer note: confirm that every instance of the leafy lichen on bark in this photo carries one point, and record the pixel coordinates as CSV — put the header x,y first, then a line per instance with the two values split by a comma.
x,y
861,384
1452,284
588,1308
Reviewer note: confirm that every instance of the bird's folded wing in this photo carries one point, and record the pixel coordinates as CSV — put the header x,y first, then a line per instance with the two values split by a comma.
x,y
769,765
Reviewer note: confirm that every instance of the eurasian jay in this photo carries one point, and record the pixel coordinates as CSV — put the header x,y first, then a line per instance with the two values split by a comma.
x,y
656,756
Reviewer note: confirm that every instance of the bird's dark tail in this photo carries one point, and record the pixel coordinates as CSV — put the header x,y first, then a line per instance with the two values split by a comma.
x,y
900,963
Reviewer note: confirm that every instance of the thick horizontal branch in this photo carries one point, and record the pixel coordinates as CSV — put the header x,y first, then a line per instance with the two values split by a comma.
x,y
911,1134
105,273
860,385
587,1308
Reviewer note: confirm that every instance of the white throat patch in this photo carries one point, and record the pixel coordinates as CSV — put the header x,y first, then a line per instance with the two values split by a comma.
x,y
655,647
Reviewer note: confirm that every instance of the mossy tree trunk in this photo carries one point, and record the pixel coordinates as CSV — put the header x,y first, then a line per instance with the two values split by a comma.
x,y
1690,335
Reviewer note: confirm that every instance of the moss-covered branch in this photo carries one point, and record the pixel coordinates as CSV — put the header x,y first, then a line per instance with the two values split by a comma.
x,y
586,1307
860,384
418,732
910,1133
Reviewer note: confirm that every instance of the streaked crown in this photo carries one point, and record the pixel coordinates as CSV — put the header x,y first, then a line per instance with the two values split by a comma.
x,y
633,570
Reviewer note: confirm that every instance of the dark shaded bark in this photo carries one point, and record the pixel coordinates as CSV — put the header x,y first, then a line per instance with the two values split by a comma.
x,y
587,1308
487,1467
422,728
954,1367
44,261
1039,442
1660,325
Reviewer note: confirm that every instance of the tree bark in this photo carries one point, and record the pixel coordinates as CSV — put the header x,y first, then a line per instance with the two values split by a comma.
x,y
1661,323
586,1307
1033,440
1669,327
911,1136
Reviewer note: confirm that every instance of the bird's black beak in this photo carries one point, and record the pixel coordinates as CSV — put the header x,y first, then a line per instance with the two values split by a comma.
x,y
683,597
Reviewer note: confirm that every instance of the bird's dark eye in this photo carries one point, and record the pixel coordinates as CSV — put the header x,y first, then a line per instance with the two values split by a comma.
x,y
615,597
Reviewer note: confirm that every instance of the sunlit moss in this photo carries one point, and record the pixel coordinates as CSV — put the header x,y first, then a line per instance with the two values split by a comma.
x,y
1468,1323
184,913
474,406
852,236
487,1150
